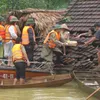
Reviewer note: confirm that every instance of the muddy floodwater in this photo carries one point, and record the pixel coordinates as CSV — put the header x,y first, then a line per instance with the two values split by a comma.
x,y
69,91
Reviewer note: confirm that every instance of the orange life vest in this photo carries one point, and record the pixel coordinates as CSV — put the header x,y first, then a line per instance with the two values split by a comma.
x,y
8,36
2,31
17,53
25,37
51,43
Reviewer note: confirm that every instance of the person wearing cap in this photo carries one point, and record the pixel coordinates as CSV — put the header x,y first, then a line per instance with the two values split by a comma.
x,y
52,44
20,60
28,37
95,37
11,35
16,24
2,37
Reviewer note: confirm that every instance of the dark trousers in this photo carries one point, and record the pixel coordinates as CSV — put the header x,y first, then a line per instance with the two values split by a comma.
x,y
20,69
58,57
29,50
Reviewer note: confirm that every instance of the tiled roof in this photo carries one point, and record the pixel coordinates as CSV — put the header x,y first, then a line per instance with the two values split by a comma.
x,y
84,14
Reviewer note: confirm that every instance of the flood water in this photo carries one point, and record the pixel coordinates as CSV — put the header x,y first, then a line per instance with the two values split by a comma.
x,y
69,91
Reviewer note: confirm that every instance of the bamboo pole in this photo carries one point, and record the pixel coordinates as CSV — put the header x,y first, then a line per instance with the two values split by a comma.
x,y
93,93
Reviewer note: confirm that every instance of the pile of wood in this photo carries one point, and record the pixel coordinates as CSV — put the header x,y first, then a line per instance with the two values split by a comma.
x,y
44,19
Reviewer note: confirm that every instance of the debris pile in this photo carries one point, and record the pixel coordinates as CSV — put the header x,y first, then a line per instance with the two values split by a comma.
x,y
79,58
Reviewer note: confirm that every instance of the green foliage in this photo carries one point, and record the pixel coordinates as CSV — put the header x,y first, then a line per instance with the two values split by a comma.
x,y
8,5
3,6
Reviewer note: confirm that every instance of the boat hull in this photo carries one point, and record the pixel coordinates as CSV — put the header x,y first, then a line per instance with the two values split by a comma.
x,y
10,73
42,81
87,88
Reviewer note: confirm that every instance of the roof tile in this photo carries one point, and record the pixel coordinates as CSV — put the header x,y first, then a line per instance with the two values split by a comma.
x,y
84,14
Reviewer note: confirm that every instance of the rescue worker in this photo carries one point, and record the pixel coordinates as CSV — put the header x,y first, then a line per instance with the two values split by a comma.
x,y
52,44
28,38
11,35
2,37
20,61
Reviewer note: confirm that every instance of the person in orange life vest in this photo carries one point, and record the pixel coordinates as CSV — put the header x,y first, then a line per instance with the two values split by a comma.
x,y
2,37
20,60
11,35
52,42
28,38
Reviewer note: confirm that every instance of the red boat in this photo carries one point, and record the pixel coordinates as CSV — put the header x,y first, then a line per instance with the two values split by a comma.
x,y
9,73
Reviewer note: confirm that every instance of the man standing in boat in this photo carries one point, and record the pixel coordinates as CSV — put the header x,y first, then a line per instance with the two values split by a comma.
x,y
52,44
10,37
28,38
20,61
